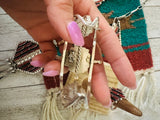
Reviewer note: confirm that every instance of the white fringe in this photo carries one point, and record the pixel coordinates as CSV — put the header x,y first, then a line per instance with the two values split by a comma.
x,y
50,109
85,114
77,114
145,93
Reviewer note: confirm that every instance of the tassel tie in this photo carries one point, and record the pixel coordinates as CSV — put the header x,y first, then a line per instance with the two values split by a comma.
x,y
50,109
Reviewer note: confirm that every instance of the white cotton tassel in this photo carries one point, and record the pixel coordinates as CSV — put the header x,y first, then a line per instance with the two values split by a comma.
x,y
153,96
76,114
50,109
140,91
78,109
143,95
85,114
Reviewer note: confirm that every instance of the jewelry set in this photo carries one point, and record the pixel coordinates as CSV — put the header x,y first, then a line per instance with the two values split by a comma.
x,y
79,60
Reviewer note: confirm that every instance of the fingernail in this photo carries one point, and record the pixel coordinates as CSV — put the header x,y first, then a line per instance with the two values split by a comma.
x,y
109,105
36,63
50,73
75,33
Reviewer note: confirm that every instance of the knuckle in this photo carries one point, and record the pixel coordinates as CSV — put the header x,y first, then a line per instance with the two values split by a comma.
x,y
106,38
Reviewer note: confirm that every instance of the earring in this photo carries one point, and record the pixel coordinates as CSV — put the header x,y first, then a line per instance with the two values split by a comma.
x,y
118,100
25,51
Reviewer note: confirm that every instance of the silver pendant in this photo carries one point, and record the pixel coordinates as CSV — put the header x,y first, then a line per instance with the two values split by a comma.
x,y
72,94
76,59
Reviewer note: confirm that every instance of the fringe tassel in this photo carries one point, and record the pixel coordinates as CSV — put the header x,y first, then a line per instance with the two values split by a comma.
x,y
85,114
50,110
144,94
80,113
77,114
153,96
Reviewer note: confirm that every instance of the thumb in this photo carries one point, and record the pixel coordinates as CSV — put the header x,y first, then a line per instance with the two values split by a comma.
x,y
60,14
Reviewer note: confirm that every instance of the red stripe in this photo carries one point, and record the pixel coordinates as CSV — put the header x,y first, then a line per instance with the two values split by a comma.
x,y
20,46
141,59
28,51
134,46
26,66
51,83
23,49
115,97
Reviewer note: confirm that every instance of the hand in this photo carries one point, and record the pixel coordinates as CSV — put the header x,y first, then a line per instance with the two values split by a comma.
x,y
32,15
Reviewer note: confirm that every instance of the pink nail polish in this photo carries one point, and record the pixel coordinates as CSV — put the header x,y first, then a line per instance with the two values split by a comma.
x,y
50,73
75,33
109,105
36,63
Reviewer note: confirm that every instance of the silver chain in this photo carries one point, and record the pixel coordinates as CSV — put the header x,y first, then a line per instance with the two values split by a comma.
x,y
133,11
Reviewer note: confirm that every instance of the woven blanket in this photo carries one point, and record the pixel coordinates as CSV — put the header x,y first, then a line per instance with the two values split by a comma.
x,y
135,43
134,36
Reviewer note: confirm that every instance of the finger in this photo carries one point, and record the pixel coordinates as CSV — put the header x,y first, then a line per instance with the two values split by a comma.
x,y
42,59
113,51
47,46
100,87
42,32
52,68
48,54
60,14
99,81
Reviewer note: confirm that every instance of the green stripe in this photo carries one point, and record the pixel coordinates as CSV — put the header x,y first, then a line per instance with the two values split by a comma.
x,y
137,48
135,36
119,7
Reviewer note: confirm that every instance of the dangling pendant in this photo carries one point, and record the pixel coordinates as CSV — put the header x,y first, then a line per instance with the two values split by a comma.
x,y
6,67
21,62
73,94
78,60
118,100
90,27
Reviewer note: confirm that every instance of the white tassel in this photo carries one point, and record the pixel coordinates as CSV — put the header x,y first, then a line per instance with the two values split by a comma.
x,y
77,110
140,91
85,114
50,110
144,94
153,96
77,114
